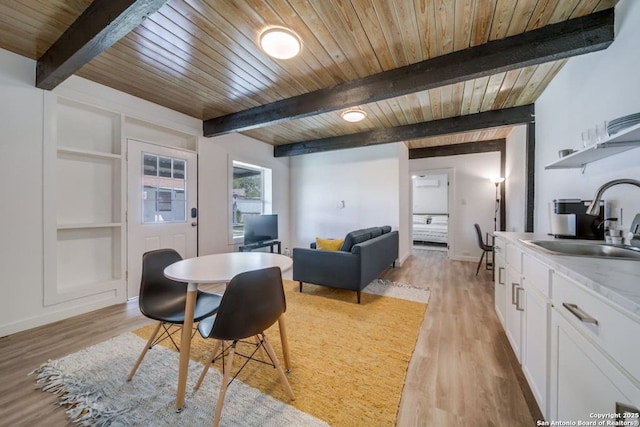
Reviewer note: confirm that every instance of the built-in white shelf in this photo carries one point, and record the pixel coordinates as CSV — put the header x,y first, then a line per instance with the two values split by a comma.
x,y
88,226
83,202
627,139
86,290
88,153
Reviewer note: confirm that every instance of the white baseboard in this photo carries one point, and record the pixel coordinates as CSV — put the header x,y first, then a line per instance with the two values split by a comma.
x,y
46,318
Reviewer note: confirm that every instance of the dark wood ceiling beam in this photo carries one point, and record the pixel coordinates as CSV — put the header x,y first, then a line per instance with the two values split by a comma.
x,y
553,42
471,122
100,26
475,147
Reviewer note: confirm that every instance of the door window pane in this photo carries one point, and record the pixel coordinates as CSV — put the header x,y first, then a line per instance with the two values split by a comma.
x,y
163,189
164,165
150,165
178,168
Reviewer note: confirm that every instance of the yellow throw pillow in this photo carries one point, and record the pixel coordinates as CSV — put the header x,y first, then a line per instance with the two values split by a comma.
x,y
328,244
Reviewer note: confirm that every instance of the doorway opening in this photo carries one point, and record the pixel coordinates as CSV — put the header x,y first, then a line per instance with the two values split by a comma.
x,y
430,210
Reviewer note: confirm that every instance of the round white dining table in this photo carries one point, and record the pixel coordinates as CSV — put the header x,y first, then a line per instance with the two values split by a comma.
x,y
218,268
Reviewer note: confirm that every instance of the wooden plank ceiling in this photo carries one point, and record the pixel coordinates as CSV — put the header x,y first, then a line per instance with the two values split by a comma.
x,y
200,57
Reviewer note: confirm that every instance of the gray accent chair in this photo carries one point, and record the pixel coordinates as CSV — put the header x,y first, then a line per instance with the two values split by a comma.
x,y
364,255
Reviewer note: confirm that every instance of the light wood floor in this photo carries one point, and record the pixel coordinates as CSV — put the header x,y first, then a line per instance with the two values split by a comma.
x,y
463,372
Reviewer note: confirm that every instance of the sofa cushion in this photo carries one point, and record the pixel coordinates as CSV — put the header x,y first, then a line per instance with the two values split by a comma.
x,y
376,231
355,237
328,244
385,229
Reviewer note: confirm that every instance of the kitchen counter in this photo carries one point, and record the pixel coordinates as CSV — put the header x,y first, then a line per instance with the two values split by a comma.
x,y
614,279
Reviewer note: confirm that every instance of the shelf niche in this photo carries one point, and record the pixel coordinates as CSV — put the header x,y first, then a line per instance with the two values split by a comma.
x,y
84,188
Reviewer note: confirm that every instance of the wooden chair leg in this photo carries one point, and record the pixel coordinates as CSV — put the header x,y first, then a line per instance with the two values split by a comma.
x,y
144,351
284,340
283,377
224,385
479,263
216,348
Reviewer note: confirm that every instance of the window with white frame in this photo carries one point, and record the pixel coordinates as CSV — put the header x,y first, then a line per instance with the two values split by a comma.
x,y
250,195
163,189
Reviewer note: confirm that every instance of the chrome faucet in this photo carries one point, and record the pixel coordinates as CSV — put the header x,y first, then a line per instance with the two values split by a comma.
x,y
594,207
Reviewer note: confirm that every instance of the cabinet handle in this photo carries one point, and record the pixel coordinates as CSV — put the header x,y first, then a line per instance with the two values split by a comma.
x,y
514,285
500,278
579,313
518,289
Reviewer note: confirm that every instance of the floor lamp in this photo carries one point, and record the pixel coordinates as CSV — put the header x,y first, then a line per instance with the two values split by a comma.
x,y
497,181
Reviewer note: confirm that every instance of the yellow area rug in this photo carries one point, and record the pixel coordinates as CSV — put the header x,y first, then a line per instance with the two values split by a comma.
x,y
348,360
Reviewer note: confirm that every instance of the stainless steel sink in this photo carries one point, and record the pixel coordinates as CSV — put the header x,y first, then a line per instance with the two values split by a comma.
x,y
598,250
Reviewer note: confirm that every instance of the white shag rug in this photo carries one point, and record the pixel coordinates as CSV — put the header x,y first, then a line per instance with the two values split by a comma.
x,y
400,290
92,386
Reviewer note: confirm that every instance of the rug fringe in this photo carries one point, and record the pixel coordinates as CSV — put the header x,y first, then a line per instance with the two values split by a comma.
x,y
84,402
385,282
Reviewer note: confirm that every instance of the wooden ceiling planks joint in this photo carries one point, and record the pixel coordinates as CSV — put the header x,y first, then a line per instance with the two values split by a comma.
x,y
101,25
558,41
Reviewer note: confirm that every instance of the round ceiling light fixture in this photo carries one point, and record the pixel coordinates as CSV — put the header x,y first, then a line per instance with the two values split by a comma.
x,y
280,42
353,115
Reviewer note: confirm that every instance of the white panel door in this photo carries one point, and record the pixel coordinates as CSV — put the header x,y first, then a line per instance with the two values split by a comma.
x,y
162,202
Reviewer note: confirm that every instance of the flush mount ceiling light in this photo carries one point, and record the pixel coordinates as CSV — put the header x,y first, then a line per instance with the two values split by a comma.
x,y
280,43
353,115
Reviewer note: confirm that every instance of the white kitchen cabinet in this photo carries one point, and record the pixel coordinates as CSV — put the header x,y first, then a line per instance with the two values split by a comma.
x,y
578,349
500,279
584,380
535,347
536,280
594,352
527,312
514,310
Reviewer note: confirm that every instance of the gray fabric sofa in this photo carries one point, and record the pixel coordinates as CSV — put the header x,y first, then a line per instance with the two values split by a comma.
x,y
364,255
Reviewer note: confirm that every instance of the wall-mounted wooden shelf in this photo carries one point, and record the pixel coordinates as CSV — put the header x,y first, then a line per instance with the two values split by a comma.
x,y
627,139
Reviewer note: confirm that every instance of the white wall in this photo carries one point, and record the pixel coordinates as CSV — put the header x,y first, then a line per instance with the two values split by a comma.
x,y
404,200
22,121
21,252
473,198
591,88
367,179
215,157
21,148
516,180
430,199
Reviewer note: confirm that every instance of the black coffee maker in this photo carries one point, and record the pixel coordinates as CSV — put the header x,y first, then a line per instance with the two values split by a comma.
x,y
569,220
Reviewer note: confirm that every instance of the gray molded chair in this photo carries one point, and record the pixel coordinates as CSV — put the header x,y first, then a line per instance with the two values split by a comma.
x,y
252,302
163,299
485,248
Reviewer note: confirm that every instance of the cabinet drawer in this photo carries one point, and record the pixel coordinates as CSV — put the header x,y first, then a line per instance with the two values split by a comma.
x,y
514,257
537,274
614,331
